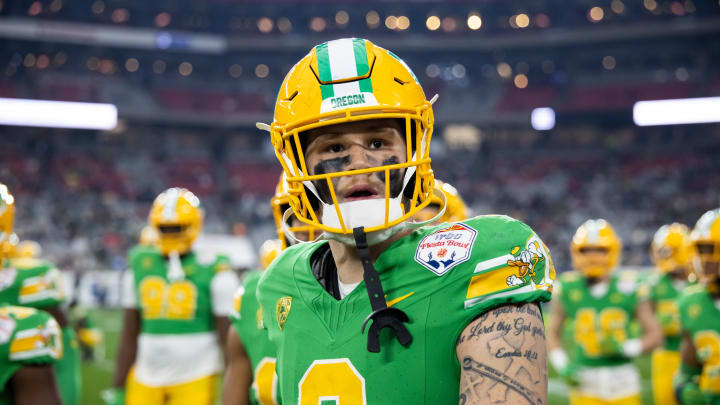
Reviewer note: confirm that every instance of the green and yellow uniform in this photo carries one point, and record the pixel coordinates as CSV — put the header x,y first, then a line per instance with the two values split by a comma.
x,y
247,322
28,337
37,283
600,325
664,292
178,355
442,277
700,317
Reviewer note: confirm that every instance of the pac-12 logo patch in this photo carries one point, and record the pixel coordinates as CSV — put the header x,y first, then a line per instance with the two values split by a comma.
x,y
444,249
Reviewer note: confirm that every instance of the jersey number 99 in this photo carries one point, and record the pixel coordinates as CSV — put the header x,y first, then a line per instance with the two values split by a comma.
x,y
177,300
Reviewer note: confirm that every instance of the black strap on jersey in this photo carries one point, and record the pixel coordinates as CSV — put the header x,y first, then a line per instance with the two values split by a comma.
x,y
382,315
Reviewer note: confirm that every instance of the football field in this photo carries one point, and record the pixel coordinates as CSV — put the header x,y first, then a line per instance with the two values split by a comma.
x,y
97,375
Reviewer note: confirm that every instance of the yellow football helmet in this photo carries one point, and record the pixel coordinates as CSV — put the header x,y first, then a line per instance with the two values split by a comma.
x,y
177,216
280,203
343,81
591,235
269,250
670,248
148,236
455,208
705,239
28,249
7,217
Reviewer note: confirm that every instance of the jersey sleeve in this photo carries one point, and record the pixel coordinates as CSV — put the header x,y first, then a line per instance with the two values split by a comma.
x,y
128,298
44,288
222,289
509,264
36,338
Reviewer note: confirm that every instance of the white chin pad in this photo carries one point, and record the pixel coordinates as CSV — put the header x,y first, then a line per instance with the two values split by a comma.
x,y
366,213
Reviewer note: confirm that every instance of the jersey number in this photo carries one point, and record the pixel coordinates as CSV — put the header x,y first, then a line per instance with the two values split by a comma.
x,y
707,344
332,382
265,382
591,328
177,300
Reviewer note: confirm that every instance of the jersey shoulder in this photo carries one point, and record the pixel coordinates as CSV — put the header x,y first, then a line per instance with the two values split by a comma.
x,y
692,294
144,258
497,258
31,264
31,336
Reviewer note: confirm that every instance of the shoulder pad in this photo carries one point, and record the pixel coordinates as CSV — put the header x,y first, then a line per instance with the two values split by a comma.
x,y
25,263
570,276
34,337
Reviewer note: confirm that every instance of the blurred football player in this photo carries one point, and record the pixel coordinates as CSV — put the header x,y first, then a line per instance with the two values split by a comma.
x,y
671,253
250,375
177,304
37,283
30,344
455,208
385,312
699,379
600,304
28,249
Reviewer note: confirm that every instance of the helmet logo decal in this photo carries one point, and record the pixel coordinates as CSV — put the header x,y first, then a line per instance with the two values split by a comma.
x,y
344,59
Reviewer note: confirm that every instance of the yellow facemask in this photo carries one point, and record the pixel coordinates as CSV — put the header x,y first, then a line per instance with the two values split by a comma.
x,y
595,234
671,249
705,239
280,203
177,216
343,81
7,217
148,236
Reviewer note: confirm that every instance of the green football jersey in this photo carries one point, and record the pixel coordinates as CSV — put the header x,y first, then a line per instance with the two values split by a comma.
x,y
442,277
31,282
178,306
37,283
700,317
664,292
595,321
28,337
247,322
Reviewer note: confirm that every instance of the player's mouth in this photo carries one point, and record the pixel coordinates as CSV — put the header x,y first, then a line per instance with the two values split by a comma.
x,y
360,192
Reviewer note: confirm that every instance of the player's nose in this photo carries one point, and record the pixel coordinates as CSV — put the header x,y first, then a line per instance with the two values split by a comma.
x,y
359,158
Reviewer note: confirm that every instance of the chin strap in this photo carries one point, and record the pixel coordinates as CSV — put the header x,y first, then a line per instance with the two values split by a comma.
x,y
382,316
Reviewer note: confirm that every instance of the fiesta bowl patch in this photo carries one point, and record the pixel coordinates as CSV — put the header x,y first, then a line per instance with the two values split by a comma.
x,y
444,249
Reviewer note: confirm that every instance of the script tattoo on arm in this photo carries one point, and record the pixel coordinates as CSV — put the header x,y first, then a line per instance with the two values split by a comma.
x,y
503,358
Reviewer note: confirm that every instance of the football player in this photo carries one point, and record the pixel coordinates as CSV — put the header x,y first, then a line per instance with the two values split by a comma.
x,y
455,208
30,344
177,304
250,375
385,311
37,283
600,304
699,379
670,251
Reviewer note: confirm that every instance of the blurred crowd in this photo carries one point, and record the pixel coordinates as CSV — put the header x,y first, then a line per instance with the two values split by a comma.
x,y
85,196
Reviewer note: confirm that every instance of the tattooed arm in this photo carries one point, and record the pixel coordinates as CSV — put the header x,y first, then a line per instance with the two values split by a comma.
x,y
502,357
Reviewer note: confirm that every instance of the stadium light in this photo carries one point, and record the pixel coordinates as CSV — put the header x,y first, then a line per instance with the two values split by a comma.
x,y
677,111
542,119
57,114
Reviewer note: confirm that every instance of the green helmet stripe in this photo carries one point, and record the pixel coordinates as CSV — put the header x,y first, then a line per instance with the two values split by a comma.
x,y
323,59
361,60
